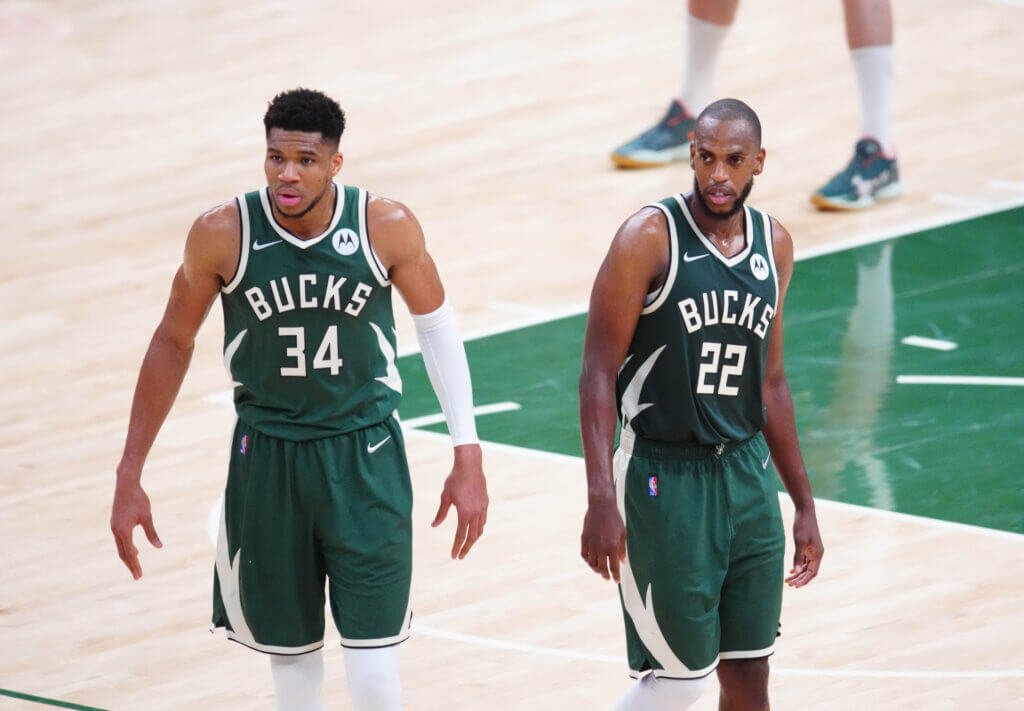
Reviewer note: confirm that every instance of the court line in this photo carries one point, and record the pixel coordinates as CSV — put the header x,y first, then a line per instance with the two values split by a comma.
x,y
958,380
908,229
46,702
826,503
937,344
491,643
862,240
438,417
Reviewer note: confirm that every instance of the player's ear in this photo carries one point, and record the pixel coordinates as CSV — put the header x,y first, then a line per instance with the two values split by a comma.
x,y
759,161
336,161
693,154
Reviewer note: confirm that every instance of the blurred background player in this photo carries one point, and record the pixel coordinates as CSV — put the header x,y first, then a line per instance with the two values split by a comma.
x,y
871,174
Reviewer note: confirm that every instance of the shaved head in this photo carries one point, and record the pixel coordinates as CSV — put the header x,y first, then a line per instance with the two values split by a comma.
x,y
731,110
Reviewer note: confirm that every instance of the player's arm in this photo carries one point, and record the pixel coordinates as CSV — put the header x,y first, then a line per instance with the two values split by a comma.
x,y
211,255
635,265
780,431
397,239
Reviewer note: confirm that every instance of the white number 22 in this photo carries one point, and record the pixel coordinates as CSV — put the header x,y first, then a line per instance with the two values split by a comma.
x,y
731,364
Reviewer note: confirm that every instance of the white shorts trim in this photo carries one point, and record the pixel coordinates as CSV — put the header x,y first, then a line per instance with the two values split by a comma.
x,y
748,653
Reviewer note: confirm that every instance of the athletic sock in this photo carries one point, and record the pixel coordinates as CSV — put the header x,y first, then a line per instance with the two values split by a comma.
x,y
298,681
703,42
653,694
373,678
873,67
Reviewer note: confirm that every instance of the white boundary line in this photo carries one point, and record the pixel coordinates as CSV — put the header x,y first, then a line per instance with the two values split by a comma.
x,y
426,631
826,503
909,229
936,344
959,380
800,255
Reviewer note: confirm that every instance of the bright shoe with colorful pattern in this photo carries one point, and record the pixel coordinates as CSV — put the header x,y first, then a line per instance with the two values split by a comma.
x,y
665,142
871,176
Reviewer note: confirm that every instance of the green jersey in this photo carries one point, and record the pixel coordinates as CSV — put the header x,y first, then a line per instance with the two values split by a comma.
x,y
309,337
696,365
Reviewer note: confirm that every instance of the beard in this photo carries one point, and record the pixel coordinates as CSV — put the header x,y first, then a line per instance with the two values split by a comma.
x,y
736,207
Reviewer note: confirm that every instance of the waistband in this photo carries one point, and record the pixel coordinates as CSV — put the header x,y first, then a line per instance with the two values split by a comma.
x,y
631,443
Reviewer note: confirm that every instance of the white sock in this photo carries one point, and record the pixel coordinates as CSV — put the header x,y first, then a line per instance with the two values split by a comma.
x,y
373,679
654,694
298,681
703,41
873,66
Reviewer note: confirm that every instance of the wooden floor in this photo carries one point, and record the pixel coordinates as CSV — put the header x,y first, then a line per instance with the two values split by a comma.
x,y
120,122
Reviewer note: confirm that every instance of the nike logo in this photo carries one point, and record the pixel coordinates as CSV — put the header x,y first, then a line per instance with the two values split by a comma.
x,y
256,246
688,258
371,448
764,464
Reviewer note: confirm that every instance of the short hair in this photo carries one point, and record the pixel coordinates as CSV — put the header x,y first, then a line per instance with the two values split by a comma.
x,y
733,110
306,110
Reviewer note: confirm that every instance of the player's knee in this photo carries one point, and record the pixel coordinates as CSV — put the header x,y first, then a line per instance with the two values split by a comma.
x,y
683,692
373,679
298,681
659,694
745,681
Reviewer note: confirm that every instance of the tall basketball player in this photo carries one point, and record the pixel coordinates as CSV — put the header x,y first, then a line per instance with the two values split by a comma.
x,y
684,348
318,486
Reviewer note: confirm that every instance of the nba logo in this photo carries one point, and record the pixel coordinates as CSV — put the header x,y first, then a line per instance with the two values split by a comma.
x,y
652,486
243,444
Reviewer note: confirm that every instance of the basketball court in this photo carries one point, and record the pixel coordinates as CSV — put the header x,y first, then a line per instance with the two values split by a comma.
x,y
123,122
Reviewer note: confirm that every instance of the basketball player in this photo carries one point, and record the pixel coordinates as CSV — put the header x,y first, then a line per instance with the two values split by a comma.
x,y
684,343
318,485
871,175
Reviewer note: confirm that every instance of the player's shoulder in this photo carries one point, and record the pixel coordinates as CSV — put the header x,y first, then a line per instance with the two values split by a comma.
x,y
221,220
387,212
214,241
647,223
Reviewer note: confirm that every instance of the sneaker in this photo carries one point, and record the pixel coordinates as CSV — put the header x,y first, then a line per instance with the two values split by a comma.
x,y
665,142
868,178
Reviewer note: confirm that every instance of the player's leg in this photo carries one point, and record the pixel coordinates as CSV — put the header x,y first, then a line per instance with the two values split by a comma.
x,y
365,530
872,175
267,556
653,694
374,682
676,549
743,684
751,601
707,23
298,681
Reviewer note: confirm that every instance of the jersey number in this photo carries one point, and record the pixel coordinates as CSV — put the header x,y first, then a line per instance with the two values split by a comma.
x,y
731,364
327,356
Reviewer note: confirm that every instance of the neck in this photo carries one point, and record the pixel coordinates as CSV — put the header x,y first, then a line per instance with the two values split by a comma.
x,y
723,231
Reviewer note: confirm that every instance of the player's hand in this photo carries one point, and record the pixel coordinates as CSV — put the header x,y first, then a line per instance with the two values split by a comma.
x,y
809,549
131,509
466,489
603,543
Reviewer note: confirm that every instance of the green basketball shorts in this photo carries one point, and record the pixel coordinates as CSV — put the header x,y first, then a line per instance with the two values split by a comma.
x,y
705,546
297,514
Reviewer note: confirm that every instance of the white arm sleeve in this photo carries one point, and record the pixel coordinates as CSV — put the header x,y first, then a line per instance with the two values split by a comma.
x,y
445,358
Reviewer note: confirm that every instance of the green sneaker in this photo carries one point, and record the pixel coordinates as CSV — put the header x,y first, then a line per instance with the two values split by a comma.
x,y
665,142
868,178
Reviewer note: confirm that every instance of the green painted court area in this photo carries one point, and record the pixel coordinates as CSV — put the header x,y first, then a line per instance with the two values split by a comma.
x,y
905,358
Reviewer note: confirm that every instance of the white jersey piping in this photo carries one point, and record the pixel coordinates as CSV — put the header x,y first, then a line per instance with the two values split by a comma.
x,y
243,255
657,298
